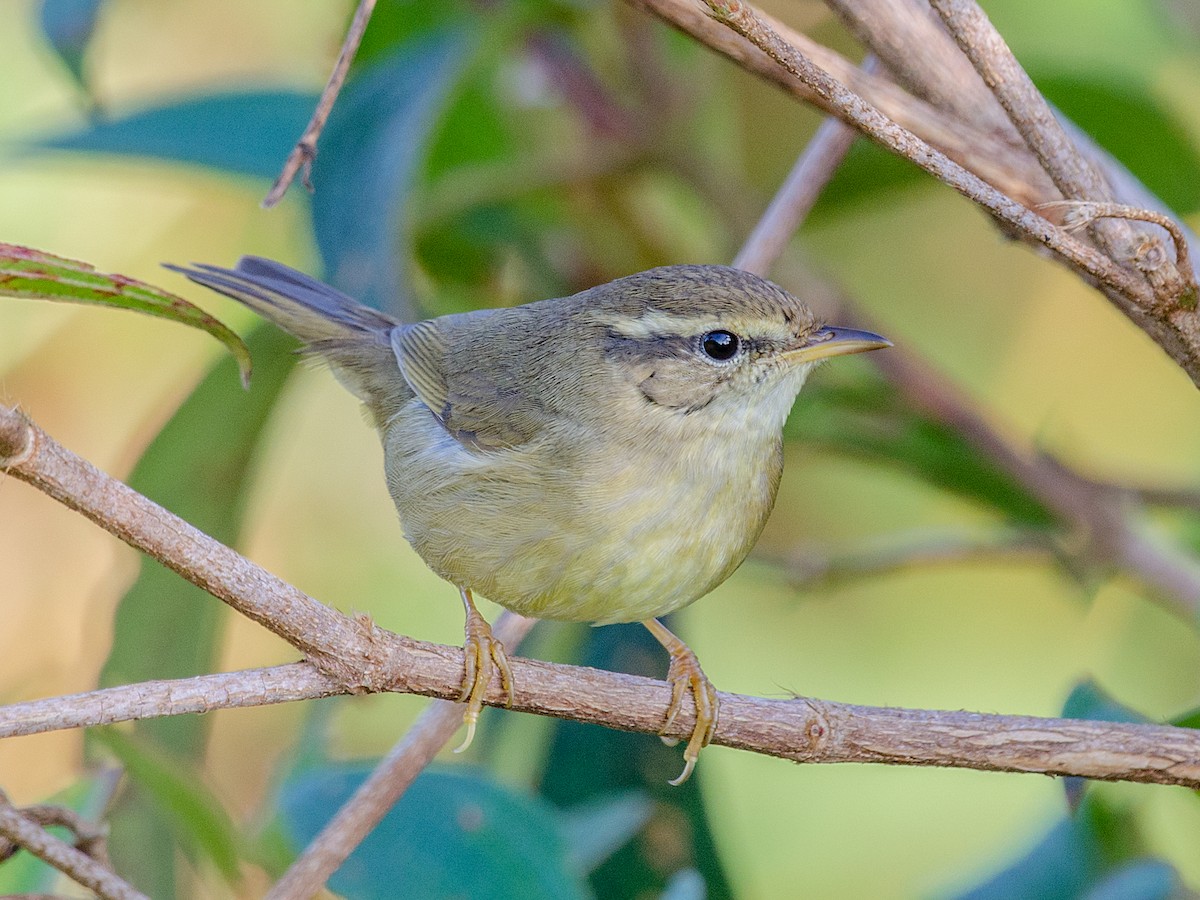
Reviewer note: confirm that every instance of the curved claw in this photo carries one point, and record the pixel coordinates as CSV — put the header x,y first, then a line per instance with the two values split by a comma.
x,y
482,655
685,674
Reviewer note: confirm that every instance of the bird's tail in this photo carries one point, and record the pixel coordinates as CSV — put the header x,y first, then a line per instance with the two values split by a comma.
x,y
354,339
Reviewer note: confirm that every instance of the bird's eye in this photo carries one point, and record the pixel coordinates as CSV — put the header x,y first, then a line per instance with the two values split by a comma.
x,y
720,345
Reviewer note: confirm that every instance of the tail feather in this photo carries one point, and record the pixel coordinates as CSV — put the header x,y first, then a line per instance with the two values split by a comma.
x,y
354,339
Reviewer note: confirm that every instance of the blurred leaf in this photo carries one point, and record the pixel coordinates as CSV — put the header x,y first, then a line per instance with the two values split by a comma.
x,y
1130,123
368,155
246,133
1190,719
24,873
588,763
1142,879
866,417
396,22
596,830
453,834
1075,857
35,275
68,27
1088,700
199,467
196,818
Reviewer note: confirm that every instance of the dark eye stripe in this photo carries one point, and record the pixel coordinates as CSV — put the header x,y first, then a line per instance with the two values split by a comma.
x,y
720,345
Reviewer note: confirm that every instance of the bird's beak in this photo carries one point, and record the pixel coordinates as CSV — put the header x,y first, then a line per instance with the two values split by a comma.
x,y
829,340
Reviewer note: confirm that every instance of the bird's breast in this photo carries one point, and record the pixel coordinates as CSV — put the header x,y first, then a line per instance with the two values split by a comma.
x,y
597,527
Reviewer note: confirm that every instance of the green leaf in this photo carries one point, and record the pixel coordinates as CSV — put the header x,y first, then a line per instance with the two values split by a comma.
x,y
864,416
35,275
367,157
199,466
1076,856
192,812
1126,119
247,133
454,833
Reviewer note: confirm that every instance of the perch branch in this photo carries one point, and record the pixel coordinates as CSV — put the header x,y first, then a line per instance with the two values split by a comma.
x,y
801,729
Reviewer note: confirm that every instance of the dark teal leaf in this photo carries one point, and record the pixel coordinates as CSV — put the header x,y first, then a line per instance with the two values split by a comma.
x,y
365,163
1128,121
245,133
453,834
68,26
588,763
1142,879
1076,856
1088,700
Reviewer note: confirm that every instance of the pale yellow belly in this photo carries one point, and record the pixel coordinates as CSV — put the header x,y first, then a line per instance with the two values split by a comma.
x,y
621,537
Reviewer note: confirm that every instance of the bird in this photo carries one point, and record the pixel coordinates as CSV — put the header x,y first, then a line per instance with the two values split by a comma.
x,y
610,456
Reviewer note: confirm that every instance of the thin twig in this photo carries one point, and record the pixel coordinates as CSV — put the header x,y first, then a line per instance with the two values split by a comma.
x,y
807,567
1081,213
999,161
851,108
384,787
762,52
302,155
25,832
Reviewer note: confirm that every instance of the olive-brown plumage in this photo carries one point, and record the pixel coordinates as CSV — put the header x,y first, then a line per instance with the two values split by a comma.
x,y
605,457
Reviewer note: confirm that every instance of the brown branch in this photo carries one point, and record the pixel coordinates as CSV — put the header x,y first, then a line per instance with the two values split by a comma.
x,y
25,831
1071,171
800,729
804,730
1081,213
851,108
305,151
1102,515
1004,163
800,66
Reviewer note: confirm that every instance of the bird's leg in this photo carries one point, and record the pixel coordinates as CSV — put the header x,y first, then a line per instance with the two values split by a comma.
x,y
482,655
685,673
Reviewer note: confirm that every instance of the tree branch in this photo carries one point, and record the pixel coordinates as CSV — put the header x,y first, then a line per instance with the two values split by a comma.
x,y
305,151
801,729
21,829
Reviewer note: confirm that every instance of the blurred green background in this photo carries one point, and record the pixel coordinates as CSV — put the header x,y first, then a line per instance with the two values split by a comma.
x,y
495,153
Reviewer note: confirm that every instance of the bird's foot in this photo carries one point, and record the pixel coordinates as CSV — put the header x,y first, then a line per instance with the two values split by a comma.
x,y
685,674
483,655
